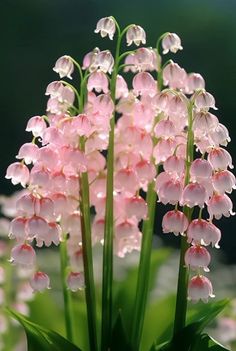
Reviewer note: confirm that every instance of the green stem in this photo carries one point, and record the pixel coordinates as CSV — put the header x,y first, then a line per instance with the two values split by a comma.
x,y
144,270
88,257
107,277
66,292
182,287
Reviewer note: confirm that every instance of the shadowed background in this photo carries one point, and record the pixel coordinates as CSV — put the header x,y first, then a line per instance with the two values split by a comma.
x,y
34,33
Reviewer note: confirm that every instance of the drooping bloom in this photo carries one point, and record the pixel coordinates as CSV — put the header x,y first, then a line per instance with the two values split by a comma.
x,y
40,282
200,288
135,34
171,42
64,66
106,26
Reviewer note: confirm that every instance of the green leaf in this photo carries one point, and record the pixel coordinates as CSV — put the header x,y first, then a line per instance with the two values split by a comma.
x,y
207,343
188,336
119,338
40,338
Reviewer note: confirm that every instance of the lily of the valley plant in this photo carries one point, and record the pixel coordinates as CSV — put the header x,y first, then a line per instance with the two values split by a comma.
x,y
120,151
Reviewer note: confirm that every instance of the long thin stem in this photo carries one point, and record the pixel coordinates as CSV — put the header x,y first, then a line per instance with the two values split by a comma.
x,y
182,287
88,258
66,292
109,223
144,270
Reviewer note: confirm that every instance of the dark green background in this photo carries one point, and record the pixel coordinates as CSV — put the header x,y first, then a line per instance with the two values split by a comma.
x,y
35,33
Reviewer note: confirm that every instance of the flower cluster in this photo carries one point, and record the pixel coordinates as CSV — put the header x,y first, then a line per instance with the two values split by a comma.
x,y
163,124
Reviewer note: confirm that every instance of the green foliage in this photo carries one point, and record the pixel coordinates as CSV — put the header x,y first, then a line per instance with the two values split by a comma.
x,y
191,338
40,338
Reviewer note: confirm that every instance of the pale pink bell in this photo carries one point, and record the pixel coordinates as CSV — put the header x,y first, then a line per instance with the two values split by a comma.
x,y
103,60
98,81
23,255
135,34
54,89
203,232
171,42
126,180
194,194
204,122
106,26
220,205
121,87
223,181
75,281
220,135
170,192
17,229
200,288
144,84
36,125
194,82
28,152
200,168
164,149
64,66
220,159
204,100
174,164
136,206
37,227
197,257
40,282
165,129
174,222
174,76
18,173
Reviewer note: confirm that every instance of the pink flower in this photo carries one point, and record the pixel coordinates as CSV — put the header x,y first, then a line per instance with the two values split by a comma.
x,y
174,222
40,282
220,159
23,255
75,281
200,288
200,168
223,181
106,26
204,100
219,205
174,75
194,194
170,192
204,122
194,82
220,135
135,34
36,125
102,60
17,229
64,66
174,165
197,257
144,84
136,207
28,152
203,232
171,42
98,81
18,173
165,129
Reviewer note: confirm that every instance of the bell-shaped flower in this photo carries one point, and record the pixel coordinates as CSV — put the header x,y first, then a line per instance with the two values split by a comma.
x,y
36,125
203,232
194,194
144,84
200,288
204,122
220,205
174,165
135,34
40,282
194,82
197,257
220,159
23,255
98,81
204,100
223,181
75,281
64,66
28,152
136,207
17,229
54,89
18,173
106,26
174,76
121,87
170,192
220,135
171,42
103,60
174,222
200,168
